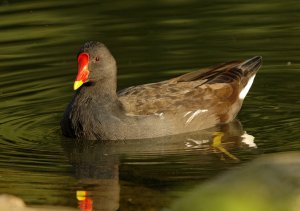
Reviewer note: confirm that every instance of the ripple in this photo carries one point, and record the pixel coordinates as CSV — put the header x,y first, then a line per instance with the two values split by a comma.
x,y
39,41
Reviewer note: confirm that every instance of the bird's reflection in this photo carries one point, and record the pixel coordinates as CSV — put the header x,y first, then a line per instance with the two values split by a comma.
x,y
97,163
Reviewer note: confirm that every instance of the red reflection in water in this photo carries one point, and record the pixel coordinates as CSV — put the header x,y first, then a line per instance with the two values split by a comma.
x,y
84,202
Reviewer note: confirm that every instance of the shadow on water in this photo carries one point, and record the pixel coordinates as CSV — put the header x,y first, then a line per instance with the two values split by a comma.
x,y
111,174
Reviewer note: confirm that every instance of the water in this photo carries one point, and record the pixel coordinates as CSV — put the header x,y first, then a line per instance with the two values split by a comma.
x,y
151,41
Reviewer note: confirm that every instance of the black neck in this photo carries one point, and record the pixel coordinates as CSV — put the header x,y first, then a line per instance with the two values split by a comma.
x,y
103,90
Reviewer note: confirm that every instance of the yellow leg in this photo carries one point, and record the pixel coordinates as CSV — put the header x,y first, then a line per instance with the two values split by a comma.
x,y
217,143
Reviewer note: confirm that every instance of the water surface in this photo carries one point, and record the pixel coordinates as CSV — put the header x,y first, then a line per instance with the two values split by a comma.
x,y
151,41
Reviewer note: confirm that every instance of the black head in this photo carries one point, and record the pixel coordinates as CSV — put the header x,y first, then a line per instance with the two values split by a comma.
x,y
95,63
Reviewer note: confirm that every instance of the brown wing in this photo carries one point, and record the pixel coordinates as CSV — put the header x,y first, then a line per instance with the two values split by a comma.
x,y
208,74
210,87
163,97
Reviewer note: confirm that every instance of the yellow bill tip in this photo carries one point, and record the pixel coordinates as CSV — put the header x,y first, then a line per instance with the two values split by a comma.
x,y
81,195
77,84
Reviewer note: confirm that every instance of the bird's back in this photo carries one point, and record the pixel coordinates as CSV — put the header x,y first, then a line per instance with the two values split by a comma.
x,y
217,89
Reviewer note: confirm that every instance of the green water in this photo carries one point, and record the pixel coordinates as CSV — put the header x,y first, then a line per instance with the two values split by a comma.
x,y
152,41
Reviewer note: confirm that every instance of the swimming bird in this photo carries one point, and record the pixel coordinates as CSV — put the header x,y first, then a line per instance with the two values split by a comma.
x,y
187,103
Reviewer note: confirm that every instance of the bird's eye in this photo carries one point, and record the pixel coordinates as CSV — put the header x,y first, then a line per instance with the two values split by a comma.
x,y
97,58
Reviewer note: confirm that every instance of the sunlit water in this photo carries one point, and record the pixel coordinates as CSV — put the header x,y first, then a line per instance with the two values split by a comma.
x,y
151,41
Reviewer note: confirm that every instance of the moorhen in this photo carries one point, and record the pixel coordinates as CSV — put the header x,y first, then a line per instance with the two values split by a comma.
x,y
190,102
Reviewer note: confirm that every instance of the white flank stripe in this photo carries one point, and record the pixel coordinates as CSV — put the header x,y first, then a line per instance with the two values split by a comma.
x,y
195,114
161,115
187,113
246,89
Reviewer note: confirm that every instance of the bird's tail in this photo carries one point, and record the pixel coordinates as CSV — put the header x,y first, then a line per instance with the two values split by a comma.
x,y
251,66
